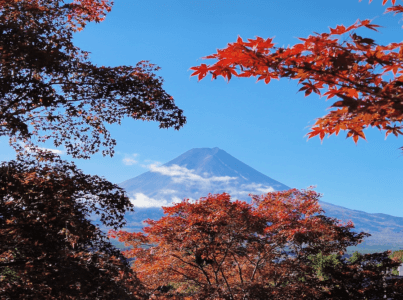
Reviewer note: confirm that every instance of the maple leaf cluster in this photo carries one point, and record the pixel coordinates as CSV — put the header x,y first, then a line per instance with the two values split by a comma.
x,y
216,248
367,78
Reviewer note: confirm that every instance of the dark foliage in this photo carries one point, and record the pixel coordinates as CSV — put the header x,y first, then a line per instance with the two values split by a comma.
x,y
50,90
49,249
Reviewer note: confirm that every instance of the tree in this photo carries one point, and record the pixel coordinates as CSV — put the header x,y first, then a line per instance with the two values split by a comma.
x,y
49,248
321,262
50,90
218,249
399,256
367,273
367,78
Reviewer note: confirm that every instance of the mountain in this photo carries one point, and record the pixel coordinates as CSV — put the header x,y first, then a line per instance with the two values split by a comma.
x,y
201,171
196,173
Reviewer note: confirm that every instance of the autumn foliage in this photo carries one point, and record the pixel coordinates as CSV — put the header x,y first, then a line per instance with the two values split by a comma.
x,y
218,249
211,249
366,78
77,12
49,90
49,247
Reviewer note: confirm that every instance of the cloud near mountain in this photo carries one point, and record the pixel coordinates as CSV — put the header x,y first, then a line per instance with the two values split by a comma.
x,y
183,175
257,187
195,174
141,200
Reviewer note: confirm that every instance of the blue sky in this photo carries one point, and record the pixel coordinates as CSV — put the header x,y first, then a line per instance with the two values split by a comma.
x,y
261,125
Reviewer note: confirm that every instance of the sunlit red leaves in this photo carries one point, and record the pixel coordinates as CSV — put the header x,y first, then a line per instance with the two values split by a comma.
x,y
215,248
258,44
386,1
354,69
355,135
396,9
340,29
200,71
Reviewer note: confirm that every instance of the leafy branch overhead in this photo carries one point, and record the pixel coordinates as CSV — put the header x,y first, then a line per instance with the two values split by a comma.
x,y
50,90
367,78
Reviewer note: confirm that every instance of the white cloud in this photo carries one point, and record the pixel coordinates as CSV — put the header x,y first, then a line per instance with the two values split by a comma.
x,y
179,200
258,187
176,200
149,161
236,192
182,174
141,200
168,191
196,186
244,190
129,160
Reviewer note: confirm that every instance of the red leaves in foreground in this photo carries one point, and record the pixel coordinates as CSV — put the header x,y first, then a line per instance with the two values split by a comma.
x,y
218,249
339,63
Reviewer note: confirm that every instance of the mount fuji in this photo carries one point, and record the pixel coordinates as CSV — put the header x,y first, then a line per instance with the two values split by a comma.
x,y
196,173
201,171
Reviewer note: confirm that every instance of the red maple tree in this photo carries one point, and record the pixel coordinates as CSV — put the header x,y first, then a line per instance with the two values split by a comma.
x,y
215,248
365,77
